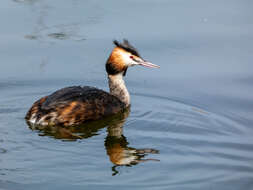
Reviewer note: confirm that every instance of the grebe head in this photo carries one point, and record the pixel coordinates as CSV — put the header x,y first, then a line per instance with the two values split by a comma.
x,y
124,55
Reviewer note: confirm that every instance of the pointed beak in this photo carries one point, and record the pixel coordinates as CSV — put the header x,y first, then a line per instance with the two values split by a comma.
x,y
148,64
140,61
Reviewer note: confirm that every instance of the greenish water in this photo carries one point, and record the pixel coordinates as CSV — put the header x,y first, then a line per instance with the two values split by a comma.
x,y
190,123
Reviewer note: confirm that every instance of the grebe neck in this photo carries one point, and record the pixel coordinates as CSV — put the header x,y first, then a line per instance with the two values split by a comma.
x,y
118,88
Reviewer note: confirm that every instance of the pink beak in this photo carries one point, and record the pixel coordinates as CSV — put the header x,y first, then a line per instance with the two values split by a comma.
x,y
148,64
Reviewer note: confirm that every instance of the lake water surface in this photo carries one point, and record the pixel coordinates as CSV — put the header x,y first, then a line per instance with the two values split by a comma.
x,y
190,125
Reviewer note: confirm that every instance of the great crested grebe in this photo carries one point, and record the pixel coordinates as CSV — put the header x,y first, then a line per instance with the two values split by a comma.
x,y
75,105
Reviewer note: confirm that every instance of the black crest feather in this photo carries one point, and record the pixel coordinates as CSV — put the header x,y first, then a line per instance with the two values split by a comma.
x,y
127,46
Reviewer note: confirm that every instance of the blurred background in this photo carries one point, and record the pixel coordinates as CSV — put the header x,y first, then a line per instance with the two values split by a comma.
x,y
196,109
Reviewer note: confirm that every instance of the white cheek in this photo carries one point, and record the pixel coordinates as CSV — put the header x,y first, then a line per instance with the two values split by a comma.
x,y
128,61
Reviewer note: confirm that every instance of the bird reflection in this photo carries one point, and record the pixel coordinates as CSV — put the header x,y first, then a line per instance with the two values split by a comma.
x,y
116,144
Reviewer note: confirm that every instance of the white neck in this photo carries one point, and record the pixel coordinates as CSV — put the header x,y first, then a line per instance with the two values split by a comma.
x,y
118,88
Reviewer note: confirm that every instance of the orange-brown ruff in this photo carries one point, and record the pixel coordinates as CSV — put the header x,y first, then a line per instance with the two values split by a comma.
x,y
75,105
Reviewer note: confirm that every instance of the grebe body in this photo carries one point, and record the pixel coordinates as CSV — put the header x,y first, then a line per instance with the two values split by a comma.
x,y
75,105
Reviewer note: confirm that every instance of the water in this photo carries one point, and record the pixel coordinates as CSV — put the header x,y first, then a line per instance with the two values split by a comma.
x,y
193,116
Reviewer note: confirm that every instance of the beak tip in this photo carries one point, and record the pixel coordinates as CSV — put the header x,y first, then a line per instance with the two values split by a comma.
x,y
148,64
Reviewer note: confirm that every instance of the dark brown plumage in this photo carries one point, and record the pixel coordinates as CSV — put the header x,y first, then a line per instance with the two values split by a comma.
x,y
74,105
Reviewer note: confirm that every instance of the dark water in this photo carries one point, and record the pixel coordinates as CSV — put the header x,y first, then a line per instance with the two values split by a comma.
x,y
193,116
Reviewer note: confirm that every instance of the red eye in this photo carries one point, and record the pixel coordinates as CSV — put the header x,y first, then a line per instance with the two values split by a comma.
x,y
132,57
